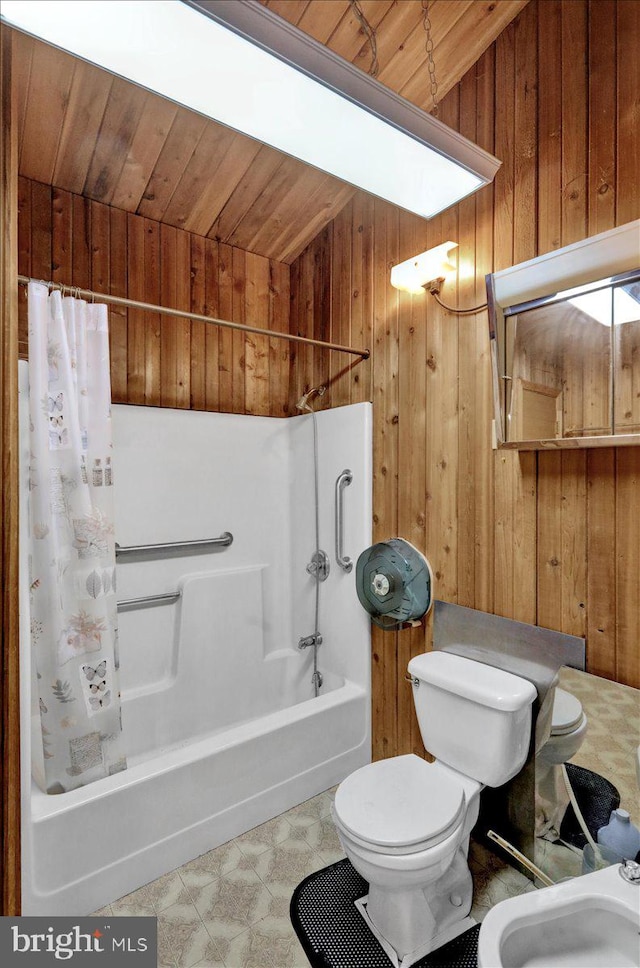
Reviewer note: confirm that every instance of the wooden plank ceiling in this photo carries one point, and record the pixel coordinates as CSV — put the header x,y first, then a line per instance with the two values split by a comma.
x,y
88,132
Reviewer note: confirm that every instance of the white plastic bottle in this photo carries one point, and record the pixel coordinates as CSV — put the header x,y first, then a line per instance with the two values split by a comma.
x,y
620,836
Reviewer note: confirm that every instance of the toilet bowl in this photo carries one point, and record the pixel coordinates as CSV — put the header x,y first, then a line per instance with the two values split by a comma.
x,y
404,823
568,729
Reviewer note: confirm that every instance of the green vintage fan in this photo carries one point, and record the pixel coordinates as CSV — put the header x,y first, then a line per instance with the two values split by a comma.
x,y
394,582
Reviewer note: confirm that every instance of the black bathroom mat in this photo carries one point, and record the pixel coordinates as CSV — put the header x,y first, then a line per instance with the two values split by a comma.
x,y
334,935
595,796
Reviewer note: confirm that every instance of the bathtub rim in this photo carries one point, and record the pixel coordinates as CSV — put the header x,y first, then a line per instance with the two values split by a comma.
x,y
43,806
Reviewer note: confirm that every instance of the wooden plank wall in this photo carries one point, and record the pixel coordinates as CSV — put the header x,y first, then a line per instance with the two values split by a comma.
x,y
159,360
549,538
9,509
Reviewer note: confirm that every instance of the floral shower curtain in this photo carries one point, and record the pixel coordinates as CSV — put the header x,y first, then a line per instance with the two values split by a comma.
x,y
72,578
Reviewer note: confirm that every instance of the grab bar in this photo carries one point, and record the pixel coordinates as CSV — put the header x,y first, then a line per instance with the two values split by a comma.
x,y
173,547
128,604
342,560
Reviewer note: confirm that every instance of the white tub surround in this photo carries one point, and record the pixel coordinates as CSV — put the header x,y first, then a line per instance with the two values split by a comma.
x,y
221,728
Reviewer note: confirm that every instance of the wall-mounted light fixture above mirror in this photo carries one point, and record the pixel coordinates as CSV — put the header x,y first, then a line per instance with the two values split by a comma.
x,y
565,341
425,271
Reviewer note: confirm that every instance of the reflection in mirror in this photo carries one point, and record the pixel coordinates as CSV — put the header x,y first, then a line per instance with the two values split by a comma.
x,y
597,727
559,369
565,345
626,317
572,364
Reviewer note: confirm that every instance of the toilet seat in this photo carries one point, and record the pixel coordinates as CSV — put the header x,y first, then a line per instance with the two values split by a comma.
x,y
567,713
401,805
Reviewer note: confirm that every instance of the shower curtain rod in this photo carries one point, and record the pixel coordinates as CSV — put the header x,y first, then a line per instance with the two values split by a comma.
x,y
196,317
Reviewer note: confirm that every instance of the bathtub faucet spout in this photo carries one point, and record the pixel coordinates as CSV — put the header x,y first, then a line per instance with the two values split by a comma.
x,y
310,640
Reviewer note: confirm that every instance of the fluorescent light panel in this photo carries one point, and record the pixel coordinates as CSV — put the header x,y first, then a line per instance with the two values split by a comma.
x,y
608,306
597,305
604,302
179,52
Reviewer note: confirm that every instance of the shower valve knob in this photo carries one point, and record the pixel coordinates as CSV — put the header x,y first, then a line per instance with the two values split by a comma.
x,y
319,566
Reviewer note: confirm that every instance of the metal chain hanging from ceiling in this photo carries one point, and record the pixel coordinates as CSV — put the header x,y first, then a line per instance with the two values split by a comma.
x,y
371,37
428,46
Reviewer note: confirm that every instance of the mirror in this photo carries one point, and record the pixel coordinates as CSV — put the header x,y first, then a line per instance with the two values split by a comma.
x,y
626,357
565,338
602,767
572,362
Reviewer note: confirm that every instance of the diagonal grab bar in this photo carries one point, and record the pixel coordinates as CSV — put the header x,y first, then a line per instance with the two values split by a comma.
x,y
342,481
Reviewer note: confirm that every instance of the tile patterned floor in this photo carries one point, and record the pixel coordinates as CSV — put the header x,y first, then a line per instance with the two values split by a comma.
x,y
230,907
613,732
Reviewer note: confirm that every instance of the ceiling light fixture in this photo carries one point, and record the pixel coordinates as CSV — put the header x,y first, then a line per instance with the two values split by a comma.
x,y
236,62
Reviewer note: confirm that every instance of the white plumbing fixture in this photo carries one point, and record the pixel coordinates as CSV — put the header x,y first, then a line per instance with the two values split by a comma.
x,y
568,729
405,823
592,921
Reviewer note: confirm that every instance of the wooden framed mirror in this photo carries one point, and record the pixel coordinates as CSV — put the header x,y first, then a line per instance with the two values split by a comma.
x,y
565,339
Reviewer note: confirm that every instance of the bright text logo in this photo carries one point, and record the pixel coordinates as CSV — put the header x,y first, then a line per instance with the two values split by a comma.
x,y
34,942
61,946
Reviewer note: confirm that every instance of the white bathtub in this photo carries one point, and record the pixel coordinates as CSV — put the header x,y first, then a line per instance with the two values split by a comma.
x,y
221,727
95,844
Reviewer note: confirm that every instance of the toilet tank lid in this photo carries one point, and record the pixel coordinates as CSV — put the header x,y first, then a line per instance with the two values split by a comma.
x,y
482,684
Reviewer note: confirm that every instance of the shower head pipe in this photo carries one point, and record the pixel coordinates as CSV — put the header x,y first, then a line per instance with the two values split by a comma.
x,y
303,403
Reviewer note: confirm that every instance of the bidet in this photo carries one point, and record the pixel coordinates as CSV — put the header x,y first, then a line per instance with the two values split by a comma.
x,y
592,921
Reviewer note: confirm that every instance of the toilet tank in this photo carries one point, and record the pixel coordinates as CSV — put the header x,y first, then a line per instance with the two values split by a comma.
x,y
473,717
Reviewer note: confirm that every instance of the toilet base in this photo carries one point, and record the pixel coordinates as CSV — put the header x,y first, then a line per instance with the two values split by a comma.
x,y
413,920
333,933
449,934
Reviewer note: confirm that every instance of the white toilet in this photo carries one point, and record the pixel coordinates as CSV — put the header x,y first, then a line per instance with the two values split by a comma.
x,y
568,728
404,823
